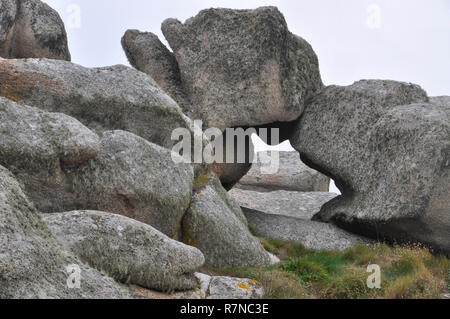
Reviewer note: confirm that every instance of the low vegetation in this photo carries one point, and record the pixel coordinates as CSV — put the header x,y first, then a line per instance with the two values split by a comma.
x,y
406,272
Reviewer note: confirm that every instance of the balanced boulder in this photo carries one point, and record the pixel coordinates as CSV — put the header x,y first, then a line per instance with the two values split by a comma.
x,y
31,29
235,67
388,150
127,250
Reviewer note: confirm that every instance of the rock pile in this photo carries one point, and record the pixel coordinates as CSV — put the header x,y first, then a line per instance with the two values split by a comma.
x,y
90,182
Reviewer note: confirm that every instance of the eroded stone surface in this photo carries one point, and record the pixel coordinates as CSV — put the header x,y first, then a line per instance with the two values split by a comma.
x,y
388,150
127,250
31,29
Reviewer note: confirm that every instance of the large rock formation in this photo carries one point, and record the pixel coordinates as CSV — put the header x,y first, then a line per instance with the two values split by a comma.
x,y
110,98
294,204
388,150
215,224
33,263
127,250
31,29
292,175
231,68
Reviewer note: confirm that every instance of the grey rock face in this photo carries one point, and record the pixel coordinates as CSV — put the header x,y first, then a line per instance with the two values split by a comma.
x,y
32,139
234,288
215,287
130,177
294,204
37,145
311,234
103,99
234,67
33,263
215,224
31,29
231,68
292,175
389,151
148,54
127,250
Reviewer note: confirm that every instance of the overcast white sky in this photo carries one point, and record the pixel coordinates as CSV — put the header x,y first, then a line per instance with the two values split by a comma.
x,y
405,40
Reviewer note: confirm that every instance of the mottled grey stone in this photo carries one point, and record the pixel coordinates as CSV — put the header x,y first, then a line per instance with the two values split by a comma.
x,y
234,288
33,264
231,68
294,204
215,224
388,151
35,140
127,250
292,175
31,29
234,67
148,54
215,287
311,234
131,177
109,98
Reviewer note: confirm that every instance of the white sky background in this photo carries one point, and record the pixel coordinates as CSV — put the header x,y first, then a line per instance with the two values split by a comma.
x,y
404,40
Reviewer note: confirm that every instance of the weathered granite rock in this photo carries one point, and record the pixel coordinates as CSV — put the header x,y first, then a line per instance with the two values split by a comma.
x,y
234,288
215,224
388,150
231,68
35,140
148,54
31,29
36,146
8,13
293,204
237,67
33,264
292,175
130,177
311,234
109,98
127,250
215,287
441,101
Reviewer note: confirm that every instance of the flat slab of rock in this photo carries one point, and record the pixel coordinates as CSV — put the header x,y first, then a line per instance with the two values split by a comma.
x,y
292,175
311,234
33,263
31,29
293,204
127,250
215,287
215,224
388,150
103,99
